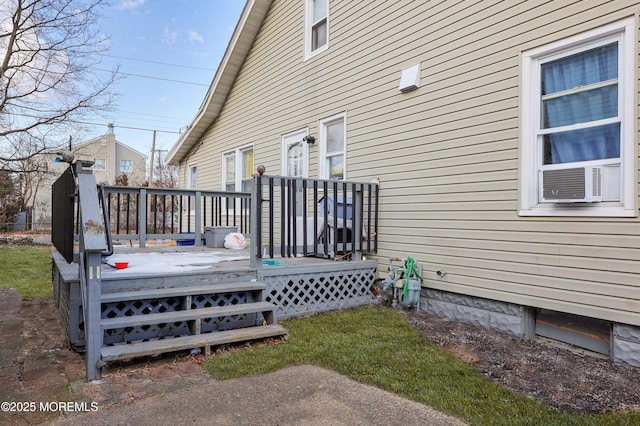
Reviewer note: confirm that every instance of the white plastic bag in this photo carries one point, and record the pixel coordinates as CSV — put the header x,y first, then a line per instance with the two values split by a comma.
x,y
235,240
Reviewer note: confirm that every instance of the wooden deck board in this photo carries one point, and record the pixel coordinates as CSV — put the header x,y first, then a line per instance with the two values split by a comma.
x,y
181,291
186,315
131,350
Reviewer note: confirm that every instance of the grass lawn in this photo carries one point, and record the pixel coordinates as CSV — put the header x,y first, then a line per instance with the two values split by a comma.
x,y
372,345
378,347
27,269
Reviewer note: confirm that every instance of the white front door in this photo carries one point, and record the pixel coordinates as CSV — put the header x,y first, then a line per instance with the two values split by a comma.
x,y
295,160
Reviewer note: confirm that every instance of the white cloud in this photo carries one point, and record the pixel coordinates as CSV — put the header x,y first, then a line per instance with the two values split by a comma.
x,y
194,36
169,36
131,4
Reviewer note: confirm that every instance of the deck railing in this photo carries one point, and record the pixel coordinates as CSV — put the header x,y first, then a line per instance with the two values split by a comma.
x,y
161,213
313,217
76,191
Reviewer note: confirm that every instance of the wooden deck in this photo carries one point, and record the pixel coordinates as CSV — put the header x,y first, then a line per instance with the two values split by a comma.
x,y
176,298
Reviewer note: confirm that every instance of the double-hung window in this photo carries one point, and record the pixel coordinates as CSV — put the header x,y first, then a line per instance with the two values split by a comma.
x,y
577,125
316,27
332,147
237,170
192,178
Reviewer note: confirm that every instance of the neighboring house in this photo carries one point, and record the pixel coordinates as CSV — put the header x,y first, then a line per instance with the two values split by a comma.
x,y
113,159
504,136
113,162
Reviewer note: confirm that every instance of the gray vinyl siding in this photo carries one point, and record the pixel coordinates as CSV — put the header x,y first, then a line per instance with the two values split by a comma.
x,y
446,154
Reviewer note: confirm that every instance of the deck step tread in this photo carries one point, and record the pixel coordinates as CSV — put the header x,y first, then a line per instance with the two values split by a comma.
x,y
186,315
131,350
145,294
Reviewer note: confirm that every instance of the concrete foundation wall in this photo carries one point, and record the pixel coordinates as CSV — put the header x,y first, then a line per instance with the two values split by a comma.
x,y
625,345
491,314
517,320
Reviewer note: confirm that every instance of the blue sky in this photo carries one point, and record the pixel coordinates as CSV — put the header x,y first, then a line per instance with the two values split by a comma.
x,y
168,51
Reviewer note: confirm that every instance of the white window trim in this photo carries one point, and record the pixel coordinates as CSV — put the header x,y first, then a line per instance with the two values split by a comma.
x,y
190,185
238,165
529,155
305,151
308,24
238,168
324,173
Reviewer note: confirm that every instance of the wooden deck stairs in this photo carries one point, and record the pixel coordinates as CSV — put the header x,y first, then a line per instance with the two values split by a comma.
x,y
152,315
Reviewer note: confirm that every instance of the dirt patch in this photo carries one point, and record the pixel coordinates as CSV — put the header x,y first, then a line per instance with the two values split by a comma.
x,y
559,376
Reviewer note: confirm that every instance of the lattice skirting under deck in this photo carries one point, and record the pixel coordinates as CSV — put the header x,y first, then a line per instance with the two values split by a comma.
x,y
305,293
175,329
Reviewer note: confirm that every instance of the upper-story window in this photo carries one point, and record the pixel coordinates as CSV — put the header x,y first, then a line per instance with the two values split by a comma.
x,y
577,125
126,166
332,147
316,27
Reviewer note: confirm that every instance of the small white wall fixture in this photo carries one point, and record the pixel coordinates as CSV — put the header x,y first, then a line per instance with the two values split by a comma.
x,y
410,79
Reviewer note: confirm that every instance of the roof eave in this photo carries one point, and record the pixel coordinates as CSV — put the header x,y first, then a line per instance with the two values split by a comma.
x,y
241,41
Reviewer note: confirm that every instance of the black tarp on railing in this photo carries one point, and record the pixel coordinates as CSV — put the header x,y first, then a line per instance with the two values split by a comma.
x,y
63,214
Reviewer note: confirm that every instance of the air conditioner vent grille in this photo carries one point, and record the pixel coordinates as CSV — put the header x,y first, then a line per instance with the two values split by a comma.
x,y
564,184
597,181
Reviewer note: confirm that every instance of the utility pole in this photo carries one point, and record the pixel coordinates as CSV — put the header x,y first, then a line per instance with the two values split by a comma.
x,y
153,150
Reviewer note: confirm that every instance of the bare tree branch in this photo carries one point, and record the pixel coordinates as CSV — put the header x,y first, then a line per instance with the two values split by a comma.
x,y
48,49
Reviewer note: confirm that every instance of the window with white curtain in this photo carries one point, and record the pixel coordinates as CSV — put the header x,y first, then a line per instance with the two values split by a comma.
x,y
316,27
580,118
578,112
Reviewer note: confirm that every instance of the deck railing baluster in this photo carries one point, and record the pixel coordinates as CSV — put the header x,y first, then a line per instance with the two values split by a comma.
x,y
304,218
154,208
128,212
271,217
342,219
283,219
315,216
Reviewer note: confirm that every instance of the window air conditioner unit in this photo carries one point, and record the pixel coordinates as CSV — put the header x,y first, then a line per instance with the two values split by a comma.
x,y
572,185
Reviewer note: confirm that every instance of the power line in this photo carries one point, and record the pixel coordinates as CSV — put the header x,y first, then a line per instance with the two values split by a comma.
x,y
159,63
154,115
102,124
126,127
155,78
147,121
